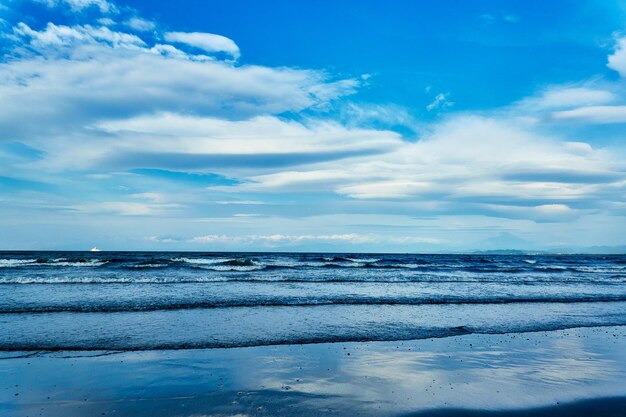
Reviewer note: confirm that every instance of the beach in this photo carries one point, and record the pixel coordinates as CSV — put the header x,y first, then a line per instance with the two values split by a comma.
x,y
575,372
305,334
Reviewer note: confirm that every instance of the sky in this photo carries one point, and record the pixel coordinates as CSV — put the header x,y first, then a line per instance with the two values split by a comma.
x,y
355,126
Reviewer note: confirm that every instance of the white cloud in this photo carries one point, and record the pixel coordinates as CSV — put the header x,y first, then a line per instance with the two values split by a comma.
x,y
563,97
106,21
617,60
376,115
78,5
60,36
312,180
240,202
466,159
140,24
124,208
277,240
159,239
386,189
173,141
587,104
440,102
73,76
154,197
416,239
353,238
153,204
260,134
541,213
208,42
593,114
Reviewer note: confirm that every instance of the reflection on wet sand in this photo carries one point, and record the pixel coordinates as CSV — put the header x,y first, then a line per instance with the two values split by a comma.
x,y
517,372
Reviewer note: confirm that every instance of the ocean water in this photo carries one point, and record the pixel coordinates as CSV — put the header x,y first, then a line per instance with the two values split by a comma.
x,y
159,300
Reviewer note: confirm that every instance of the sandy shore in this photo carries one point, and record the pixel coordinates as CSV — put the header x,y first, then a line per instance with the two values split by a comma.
x,y
578,372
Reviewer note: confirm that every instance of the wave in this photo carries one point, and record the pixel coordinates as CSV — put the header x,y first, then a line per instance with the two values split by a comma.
x,y
15,263
300,302
148,265
199,261
272,279
268,263
553,267
333,259
364,260
226,268
80,263
221,264
12,263
216,261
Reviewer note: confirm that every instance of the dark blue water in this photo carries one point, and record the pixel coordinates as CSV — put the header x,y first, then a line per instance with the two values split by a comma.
x,y
130,300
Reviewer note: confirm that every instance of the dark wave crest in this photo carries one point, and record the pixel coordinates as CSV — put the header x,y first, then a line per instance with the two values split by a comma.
x,y
112,307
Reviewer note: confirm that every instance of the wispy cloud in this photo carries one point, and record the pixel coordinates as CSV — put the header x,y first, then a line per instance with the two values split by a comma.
x,y
593,114
125,208
78,5
491,18
282,240
208,42
440,102
140,24
567,97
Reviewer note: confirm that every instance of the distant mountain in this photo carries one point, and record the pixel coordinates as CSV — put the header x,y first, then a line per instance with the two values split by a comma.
x,y
505,240
592,250
601,250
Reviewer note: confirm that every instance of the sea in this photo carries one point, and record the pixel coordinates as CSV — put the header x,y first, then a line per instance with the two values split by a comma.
x,y
118,301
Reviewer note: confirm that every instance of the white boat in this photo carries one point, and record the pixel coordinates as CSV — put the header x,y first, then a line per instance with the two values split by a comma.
x,y
95,249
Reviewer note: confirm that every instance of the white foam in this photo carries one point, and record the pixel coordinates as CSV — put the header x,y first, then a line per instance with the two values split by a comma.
x,y
553,267
12,263
366,260
201,261
91,263
229,268
149,266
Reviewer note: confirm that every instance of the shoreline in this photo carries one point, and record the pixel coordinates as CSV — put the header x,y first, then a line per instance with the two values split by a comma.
x,y
515,374
462,331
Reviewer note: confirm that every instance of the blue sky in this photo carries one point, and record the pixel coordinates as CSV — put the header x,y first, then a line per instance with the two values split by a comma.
x,y
333,126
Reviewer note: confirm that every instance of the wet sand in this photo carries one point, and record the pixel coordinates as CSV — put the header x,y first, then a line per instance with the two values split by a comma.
x,y
577,372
